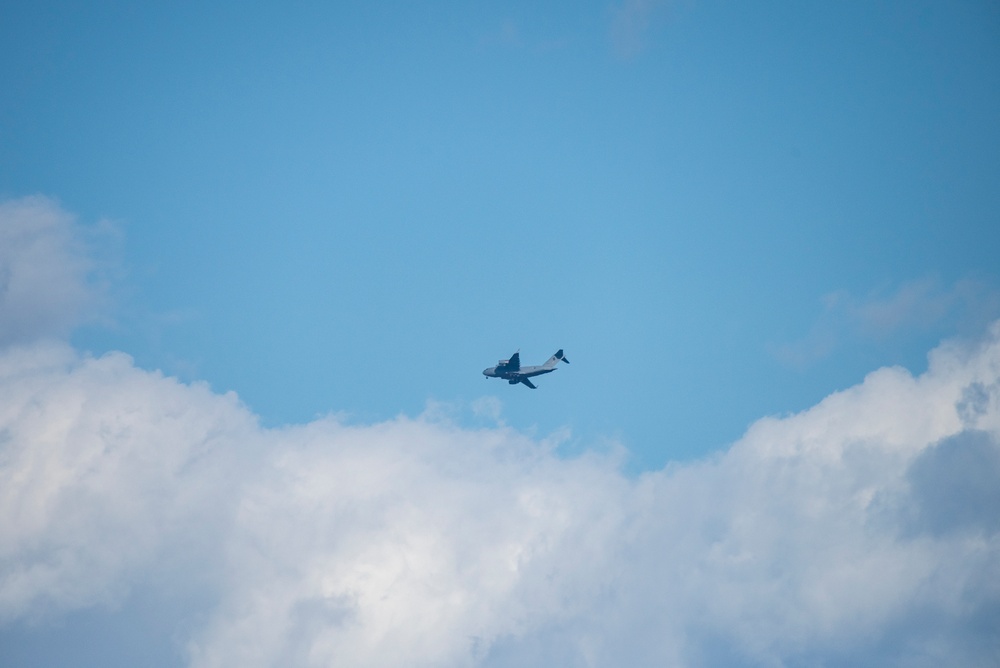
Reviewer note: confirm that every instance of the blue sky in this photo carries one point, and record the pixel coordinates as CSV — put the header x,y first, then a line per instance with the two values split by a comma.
x,y
721,212
357,208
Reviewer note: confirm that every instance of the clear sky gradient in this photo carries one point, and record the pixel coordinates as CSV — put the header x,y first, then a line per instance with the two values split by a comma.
x,y
325,219
357,207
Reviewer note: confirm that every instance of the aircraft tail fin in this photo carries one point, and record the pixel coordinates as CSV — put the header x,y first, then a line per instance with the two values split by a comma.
x,y
555,360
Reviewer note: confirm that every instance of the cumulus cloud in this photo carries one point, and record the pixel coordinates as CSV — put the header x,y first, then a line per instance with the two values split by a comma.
x,y
47,281
861,530
103,470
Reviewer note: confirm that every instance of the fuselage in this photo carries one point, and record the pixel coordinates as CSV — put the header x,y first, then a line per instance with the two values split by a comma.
x,y
523,372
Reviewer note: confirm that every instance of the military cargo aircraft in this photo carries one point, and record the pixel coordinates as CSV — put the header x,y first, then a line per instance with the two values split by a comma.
x,y
512,371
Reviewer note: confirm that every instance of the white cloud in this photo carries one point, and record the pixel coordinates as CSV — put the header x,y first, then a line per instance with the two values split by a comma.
x,y
822,536
104,469
862,531
46,275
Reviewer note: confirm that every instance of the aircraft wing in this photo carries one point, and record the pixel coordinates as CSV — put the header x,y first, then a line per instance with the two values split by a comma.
x,y
529,383
514,363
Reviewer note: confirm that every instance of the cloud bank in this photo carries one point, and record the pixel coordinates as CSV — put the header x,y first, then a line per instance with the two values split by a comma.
x,y
862,531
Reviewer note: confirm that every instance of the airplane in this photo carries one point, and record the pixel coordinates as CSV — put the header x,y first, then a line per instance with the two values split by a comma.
x,y
512,371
